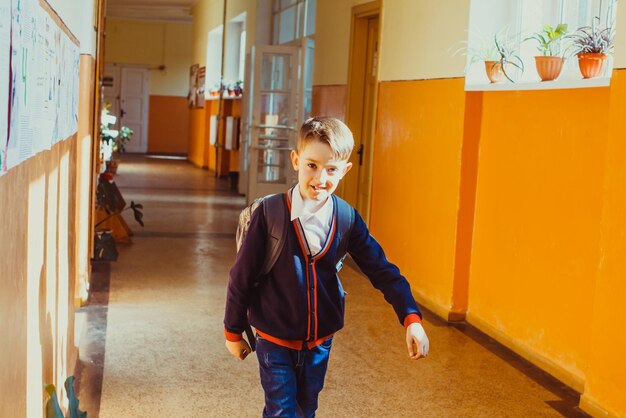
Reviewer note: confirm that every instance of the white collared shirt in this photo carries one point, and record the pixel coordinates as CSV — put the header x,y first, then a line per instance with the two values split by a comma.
x,y
316,218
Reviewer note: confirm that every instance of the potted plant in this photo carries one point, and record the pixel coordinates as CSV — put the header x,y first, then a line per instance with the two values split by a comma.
x,y
592,45
500,55
109,205
113,141
215,90
238,88
550,63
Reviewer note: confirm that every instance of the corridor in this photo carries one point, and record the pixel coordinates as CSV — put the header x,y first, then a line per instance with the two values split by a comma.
x,y
154,345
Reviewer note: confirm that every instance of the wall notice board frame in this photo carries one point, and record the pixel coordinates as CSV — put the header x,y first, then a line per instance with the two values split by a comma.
x,y
39,80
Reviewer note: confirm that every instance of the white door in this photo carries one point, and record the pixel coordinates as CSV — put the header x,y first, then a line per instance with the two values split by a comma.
x,y
111,90
274,124
134,106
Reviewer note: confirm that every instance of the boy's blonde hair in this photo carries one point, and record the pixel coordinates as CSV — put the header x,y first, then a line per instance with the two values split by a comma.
x,y
329,130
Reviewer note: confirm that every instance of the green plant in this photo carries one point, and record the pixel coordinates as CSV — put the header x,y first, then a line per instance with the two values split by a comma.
x,y
508,55
109,199
599,37
237,87
503,49
53,410
593,39
549,39
117,139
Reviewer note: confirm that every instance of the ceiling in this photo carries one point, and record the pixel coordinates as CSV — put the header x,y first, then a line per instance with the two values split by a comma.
x,y
168,10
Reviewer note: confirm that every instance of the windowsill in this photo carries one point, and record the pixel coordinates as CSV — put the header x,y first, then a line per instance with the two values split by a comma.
x,y
541,85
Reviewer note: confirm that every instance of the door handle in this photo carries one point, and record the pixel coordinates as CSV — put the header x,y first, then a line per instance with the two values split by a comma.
x,y
360,152
122,113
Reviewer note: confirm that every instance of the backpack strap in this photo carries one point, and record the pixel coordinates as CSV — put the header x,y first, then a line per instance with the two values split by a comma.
x,y
276,218
345,222
275,213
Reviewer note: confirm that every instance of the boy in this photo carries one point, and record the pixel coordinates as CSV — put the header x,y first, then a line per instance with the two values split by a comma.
x,y
298,306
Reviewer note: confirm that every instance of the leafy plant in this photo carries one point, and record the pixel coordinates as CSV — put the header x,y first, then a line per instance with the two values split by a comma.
x,y
502,49
592,39
508,55
109,199
117,139
53,410
549,39
598,37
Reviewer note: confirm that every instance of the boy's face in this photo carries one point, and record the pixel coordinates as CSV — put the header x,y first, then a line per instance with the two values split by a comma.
x,y
318,170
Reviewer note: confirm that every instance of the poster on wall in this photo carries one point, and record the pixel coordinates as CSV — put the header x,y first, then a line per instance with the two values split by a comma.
x,y
41,89
193,84
200,86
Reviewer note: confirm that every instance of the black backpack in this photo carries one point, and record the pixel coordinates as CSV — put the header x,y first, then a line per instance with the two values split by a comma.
x,y
277,220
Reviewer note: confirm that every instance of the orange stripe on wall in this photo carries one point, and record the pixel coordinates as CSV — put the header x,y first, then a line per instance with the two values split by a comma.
x,y
168,125
467,201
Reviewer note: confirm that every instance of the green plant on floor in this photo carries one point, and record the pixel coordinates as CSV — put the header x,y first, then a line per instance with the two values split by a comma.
x,y
53,410
549,39
110,200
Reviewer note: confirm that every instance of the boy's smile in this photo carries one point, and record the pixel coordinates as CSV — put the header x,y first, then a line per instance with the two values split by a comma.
x,y
319,172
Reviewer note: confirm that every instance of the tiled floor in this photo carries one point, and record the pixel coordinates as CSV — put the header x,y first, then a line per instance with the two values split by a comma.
x,y
155,343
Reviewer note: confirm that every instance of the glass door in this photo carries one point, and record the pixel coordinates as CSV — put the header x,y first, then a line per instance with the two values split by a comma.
x,y
274,124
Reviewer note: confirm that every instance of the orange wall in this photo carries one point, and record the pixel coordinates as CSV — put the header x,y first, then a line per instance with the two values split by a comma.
x,y
197,137
168,125
417,157
606,375
228,159
536,232
514,212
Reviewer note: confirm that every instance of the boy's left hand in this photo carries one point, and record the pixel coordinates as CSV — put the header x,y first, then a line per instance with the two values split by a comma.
x,y
417,341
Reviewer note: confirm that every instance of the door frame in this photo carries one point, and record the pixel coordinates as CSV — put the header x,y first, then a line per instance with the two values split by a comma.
x,y
355,102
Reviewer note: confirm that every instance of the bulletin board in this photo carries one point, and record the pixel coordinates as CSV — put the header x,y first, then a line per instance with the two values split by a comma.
x,y
39,80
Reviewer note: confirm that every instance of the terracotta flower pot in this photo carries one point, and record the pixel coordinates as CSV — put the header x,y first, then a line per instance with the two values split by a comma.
x,y
494,71
591,64
548,68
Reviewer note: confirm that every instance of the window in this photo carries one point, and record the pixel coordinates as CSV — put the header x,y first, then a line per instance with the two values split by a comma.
x,y
293,20
514,22
294,24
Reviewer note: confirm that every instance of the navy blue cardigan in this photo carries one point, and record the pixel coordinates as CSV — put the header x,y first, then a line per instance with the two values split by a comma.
x,y
301,298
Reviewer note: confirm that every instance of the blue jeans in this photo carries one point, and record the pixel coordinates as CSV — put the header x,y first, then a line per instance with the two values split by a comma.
x,y
291,379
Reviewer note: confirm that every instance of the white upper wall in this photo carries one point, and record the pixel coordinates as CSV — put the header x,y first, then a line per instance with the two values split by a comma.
x,y
78,15
620,37
418,37
332,41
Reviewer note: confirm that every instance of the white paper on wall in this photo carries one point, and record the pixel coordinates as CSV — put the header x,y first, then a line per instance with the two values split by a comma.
x,y
42,82
5,51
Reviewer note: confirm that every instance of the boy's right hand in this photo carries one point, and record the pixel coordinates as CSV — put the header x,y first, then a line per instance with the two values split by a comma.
x,y
239,349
